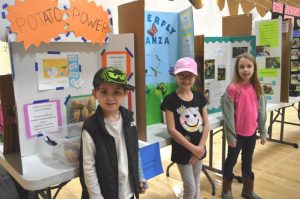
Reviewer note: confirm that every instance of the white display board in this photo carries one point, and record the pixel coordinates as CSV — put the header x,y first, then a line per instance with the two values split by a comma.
x,y
5,65
26,89
219,58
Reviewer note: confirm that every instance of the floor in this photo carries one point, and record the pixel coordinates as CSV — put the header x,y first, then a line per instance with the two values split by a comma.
x,y
276,167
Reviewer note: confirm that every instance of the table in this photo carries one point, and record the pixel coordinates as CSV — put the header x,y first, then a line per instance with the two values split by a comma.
x,y
280,110
40,175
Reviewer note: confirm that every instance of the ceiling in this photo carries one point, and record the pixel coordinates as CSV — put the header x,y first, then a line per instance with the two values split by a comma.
x,y
262,6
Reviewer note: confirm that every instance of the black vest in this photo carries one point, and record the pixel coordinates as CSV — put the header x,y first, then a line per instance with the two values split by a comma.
x,y
106,154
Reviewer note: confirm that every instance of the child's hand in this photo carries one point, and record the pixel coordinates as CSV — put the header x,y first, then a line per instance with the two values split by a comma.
x,y
232,144
263,140
198,151
193,159
143,186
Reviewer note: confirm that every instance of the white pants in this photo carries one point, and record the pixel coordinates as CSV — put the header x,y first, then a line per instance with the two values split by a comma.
x,y
190,174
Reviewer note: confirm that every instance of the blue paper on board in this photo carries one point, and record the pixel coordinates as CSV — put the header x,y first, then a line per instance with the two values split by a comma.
x,y
151,161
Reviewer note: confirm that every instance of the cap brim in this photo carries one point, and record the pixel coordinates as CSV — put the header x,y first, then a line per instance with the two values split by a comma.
x,y
185,70
129,87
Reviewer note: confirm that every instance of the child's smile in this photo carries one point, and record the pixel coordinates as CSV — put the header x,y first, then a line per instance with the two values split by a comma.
x,y
110,97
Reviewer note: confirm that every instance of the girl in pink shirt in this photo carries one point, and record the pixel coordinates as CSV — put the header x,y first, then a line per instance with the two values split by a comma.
x,y
244,111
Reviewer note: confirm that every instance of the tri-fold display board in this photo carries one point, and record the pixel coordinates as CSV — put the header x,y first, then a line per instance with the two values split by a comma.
x,y
168,36
52,86
291,13
161,39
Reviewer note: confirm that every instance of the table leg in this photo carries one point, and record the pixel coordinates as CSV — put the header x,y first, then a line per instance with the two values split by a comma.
x,y
46,193
223,148
211,144
281,112
168,168
270,125
213,192
298,110
282,124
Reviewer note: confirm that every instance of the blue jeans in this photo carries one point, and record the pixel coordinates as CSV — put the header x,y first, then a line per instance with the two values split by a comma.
x,y
247,145
190,174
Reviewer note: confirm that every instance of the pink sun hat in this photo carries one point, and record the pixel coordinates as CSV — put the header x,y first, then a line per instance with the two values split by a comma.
x,y
185,64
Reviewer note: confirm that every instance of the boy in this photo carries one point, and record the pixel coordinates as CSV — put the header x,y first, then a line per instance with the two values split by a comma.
x,y
109,159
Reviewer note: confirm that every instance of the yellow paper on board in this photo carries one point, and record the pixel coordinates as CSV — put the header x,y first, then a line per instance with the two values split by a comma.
x,y
266,72
268,33
55,68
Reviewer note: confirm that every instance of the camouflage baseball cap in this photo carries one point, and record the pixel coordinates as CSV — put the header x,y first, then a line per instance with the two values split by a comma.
x,y
111,75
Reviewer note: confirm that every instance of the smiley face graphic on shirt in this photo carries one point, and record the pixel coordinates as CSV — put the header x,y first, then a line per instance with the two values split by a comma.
x,y
190,118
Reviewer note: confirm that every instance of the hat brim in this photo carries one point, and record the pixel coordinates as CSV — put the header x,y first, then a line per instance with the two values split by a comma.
x,y
129,87
185,70
125,86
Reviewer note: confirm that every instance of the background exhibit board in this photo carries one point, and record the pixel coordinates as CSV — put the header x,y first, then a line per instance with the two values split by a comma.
x,y
268,42
119,51
168,37
219,58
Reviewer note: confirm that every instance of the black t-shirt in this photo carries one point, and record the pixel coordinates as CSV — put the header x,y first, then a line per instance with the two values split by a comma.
x,y
188,121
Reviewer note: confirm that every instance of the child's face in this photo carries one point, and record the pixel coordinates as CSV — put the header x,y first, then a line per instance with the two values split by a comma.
x,y
110,97
185,80
245,70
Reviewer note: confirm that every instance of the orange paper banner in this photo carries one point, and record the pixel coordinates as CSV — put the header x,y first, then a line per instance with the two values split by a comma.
x,y
88,20
36,21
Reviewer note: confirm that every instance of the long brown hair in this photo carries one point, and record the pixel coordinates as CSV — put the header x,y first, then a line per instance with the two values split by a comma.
x,y
254,79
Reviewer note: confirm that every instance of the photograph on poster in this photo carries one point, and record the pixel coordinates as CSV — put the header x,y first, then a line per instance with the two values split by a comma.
x,y
79,108
295,79
209,69
221,74
295,66
55,68
207,96
263,51
295,54
297,23
273,62
268,88
295,42
58,70
236,51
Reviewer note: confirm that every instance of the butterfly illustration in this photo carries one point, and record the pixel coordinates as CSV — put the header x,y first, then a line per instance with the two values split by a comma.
x,y
171,70
155,71
52,72
153,30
